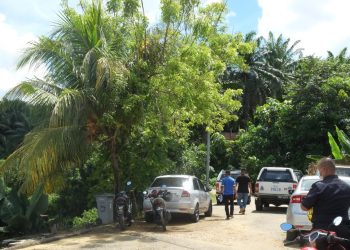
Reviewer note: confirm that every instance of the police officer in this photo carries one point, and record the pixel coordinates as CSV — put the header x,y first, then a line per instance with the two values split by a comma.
x,y
328,198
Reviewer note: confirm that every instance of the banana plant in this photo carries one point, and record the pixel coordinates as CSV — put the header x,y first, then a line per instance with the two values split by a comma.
x,y
20,213
341,151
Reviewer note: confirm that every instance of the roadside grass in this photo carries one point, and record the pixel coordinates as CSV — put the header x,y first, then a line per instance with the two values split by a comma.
x,y
212,197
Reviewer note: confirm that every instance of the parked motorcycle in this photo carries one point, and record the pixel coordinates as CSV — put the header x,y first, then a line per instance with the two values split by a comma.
x,y
124,207
324,239
158,200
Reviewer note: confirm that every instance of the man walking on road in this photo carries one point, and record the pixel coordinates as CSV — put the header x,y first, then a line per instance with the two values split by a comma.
x,y
244,189
228,189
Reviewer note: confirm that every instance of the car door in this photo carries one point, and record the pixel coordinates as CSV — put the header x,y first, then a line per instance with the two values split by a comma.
x,y
196,192
203,196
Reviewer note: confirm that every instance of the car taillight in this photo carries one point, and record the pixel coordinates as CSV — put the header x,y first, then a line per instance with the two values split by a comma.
x,y
294,186
185,194
256,187
296,199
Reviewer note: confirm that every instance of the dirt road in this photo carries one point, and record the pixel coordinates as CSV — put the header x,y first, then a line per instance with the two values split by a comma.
x,y
254,230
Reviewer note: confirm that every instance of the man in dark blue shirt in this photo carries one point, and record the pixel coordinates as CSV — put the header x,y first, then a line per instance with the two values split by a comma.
x,y
228,189
329,197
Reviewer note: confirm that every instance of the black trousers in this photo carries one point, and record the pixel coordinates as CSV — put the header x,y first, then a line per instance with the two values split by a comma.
x,y
228,200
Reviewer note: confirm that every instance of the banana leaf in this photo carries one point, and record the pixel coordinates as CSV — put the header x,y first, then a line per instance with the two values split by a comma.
x,y
344,141
334,147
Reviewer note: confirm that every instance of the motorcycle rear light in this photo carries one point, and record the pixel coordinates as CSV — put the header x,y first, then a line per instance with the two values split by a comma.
x,y
256,187
185,194
296,199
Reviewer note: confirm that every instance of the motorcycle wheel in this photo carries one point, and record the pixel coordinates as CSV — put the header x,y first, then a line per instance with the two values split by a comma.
x,y
121,222
149,218
162,221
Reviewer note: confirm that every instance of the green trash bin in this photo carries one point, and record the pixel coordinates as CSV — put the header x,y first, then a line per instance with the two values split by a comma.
x,y
105,207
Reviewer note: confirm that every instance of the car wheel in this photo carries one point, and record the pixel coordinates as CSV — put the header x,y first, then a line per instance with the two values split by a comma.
x,y
210,210
195,215
149,217
258,205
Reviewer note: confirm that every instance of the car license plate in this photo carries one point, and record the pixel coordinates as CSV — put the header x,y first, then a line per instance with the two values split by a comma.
x,y
275,189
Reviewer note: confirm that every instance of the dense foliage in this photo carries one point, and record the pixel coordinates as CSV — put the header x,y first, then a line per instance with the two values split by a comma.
x,y
285,132
126,100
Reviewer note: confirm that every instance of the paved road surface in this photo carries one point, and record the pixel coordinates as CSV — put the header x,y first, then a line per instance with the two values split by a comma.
x,y
254,230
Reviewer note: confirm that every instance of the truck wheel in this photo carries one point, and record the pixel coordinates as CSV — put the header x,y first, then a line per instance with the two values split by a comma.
x,y
258,205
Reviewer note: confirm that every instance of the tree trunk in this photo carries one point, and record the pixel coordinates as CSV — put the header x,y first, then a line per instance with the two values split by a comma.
x,y
115,168
115,165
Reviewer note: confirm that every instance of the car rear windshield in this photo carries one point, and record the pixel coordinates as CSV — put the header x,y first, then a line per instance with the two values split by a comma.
x,y
170,182
342,171
276,176
306,184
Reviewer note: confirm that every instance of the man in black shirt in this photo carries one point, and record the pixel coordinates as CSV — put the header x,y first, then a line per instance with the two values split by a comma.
x,y
243,191
329,197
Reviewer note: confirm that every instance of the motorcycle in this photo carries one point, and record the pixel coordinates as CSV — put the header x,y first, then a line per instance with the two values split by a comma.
x,y
324,239
160,214
124,207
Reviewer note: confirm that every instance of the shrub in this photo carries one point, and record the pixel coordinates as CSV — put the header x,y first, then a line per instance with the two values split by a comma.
x,y
88,218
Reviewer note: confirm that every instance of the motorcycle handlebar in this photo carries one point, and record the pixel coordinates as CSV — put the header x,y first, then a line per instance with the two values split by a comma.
x,y
335,239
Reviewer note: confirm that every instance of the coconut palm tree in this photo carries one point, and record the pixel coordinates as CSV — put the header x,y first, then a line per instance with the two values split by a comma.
x,y
14,124
270,66
283,58
83,78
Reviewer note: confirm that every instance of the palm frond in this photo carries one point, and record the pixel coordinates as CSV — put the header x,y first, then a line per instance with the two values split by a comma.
x,y
55,56
46,152
68,108
35,92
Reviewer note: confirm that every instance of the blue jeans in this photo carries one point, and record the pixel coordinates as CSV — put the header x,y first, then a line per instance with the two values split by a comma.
x,y
242,199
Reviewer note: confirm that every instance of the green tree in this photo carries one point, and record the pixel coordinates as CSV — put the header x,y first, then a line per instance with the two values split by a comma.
x,y
284,133
111,76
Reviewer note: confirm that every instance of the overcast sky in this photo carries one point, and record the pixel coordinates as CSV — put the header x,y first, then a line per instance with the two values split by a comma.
x,y
321,25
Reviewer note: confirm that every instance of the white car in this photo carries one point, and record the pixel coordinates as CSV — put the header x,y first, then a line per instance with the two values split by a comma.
x,y
342,170
188,196
295,215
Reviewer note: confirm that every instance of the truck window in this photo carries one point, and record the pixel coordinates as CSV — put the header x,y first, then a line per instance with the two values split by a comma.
x,y
276,176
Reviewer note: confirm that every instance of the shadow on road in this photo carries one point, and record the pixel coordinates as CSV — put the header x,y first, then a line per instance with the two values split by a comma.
x,y
273,210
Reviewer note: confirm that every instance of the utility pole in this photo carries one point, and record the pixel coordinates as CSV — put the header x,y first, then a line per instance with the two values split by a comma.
x,y
208,159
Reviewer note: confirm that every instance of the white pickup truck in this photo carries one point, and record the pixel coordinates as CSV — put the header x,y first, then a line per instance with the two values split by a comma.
x,y
274,185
